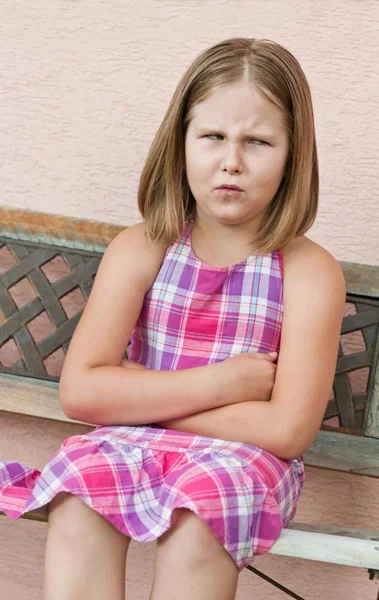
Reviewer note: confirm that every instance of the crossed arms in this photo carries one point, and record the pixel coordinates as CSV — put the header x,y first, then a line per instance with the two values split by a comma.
x,y
96,390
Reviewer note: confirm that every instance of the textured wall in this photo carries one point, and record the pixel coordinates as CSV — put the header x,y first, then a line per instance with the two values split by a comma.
x,y
84,86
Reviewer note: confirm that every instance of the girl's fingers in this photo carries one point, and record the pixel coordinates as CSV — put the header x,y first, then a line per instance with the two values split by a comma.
x,y
262,356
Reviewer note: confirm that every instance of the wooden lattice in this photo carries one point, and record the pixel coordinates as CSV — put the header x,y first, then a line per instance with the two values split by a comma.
x,y
354,377
43,291
26,273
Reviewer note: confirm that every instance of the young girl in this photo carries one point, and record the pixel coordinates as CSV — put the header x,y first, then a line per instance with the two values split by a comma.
x,y
200,435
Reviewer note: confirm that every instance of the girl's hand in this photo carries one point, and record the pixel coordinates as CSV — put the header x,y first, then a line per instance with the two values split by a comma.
x,y
244,377
247,376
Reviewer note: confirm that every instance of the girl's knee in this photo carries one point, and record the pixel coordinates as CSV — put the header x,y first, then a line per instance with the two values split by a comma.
x,y
71,517
67,511
191,536
75,522
64,505
191,525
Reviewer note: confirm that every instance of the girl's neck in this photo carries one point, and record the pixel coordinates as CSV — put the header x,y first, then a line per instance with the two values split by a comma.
x,y
221,245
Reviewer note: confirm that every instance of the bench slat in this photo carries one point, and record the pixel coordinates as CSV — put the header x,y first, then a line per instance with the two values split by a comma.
x,y
336,549
94,236
33,397
343,452
342,546
337,451
41,515
361,279
362,534
373,415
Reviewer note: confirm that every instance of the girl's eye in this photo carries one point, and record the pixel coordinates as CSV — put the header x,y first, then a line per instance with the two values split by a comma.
x,y
261,142
216,136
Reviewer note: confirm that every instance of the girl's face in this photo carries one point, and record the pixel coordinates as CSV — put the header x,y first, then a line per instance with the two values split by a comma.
x,y
235,137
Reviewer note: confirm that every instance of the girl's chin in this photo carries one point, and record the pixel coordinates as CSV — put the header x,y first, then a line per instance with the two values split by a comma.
x,y
230,217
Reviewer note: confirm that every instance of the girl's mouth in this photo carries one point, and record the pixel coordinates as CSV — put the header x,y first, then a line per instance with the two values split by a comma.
x,y
236,188
229,191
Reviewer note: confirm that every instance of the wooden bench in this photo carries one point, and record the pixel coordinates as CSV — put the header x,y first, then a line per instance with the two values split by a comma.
x,y
58,257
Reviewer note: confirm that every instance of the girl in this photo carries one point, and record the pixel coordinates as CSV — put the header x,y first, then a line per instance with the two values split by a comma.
x,y
200,435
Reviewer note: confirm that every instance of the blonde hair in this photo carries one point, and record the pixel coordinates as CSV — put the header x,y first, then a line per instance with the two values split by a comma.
x,y
164,197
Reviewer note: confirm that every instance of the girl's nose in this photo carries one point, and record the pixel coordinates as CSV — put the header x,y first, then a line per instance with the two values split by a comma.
x,y
232,160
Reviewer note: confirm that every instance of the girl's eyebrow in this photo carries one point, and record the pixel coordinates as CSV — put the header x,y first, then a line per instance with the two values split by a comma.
x,y
248,129
269,133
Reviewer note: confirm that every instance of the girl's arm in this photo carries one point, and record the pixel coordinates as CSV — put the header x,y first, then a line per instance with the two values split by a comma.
x,y
314,299
93,386
232,422
251,422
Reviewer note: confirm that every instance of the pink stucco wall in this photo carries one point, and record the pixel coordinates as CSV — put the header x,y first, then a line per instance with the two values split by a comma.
x,y
84,87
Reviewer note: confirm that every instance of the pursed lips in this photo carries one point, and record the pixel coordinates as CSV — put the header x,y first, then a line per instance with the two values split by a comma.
x,y
235,188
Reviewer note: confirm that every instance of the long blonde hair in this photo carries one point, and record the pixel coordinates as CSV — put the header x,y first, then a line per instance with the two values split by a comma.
x,y
164,197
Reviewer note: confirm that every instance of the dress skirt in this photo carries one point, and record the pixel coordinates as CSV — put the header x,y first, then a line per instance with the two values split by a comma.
x,y
135,477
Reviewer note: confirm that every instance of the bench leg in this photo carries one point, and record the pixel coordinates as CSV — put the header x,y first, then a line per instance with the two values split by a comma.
x,y
275,583
374,574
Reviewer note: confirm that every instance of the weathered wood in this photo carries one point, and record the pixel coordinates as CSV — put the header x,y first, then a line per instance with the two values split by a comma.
x,y
373,415
361,279
361,534
335,549
41,515
344,546
44,228
33,397
343,452
94,236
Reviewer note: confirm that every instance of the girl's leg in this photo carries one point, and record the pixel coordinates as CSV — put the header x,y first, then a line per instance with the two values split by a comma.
x,y
85,555
191,563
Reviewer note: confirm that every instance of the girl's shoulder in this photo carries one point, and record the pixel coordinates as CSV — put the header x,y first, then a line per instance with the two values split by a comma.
x,y
134,238
132,249
302,249
305,259
137,235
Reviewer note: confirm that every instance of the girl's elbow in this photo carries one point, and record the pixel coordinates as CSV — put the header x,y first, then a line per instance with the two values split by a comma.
x,y
68,404
290,453
74,390
71,402
295,446
290,446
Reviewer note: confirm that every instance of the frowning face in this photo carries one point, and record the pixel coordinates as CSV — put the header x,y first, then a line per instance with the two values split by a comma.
x,y
235,137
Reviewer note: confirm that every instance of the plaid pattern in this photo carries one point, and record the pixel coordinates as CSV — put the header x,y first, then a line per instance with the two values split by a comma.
x,y
135,477
196,314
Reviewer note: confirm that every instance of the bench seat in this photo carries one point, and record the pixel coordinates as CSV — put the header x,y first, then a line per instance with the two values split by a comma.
x,y
337,545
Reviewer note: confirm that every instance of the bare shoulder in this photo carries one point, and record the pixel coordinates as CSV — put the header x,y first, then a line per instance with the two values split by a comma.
x,y
309,265
136,236
132,248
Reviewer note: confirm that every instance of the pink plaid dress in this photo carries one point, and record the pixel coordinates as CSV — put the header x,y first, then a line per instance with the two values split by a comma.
x,y
194,314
